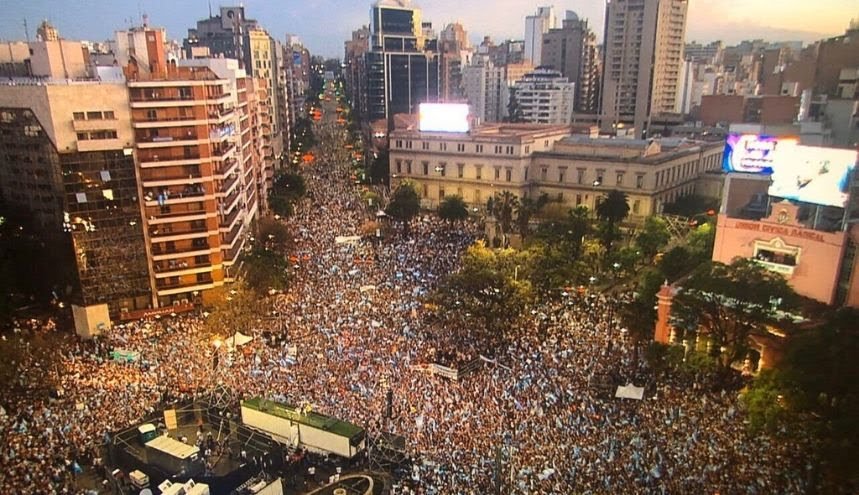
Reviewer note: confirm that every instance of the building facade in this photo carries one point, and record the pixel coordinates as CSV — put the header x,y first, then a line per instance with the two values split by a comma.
x,y
530,160
644,42
545,97
535,27
572,51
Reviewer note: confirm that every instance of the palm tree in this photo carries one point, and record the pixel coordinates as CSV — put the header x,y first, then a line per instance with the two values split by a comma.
x,y
527,208
614,208
502,206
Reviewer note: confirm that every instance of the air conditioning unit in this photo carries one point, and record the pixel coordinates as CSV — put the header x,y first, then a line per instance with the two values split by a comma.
x,y
176,303
184,301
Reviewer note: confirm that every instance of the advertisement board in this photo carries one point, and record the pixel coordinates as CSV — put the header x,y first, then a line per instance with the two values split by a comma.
x,y
814,175
809,174
443,117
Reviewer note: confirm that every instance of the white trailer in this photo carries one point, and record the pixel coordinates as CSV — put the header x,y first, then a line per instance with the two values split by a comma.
x,y
313,431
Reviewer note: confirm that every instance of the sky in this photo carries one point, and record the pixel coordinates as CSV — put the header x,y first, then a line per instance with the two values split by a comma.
x,y
323,25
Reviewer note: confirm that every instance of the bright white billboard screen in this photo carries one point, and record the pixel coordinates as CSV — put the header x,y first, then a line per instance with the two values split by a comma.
x,y
809,174
443,117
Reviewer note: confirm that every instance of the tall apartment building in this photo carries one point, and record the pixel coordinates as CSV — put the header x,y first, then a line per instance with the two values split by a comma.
x,y
355,70
68,160
545,97
454,54
402,70
572,50
535,27
485,87
193,199
643,52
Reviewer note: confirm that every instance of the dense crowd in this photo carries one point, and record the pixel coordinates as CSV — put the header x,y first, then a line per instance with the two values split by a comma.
x,y
354,316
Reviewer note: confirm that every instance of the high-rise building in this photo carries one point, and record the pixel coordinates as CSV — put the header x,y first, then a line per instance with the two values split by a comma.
x,y
535,27
47,32
402,65
572,50
188,152
545,97
68,162
355,70
454,54
486,89
643,52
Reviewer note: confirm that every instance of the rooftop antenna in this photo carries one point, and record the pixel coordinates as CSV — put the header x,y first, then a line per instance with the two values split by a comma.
x,y
210,9
26,31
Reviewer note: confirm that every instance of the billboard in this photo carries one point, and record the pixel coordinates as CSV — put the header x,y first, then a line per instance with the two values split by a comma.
x,y
808,174
443,117
814,175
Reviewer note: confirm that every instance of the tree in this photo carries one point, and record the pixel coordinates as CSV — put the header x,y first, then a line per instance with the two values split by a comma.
x,y
614,208
689,206
273,234
569,230
653,237
514,110
729,303
452,208
265,269
380,168
404,204
486,288
527,208
639,314
502,206
678,261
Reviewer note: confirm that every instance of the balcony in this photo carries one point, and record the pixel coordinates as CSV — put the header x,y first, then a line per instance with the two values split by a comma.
x,y
168,233
226,222
228,184
100,145
230,237
165,121
95,125
166,196
229,203
226,168
172,286
221,152
169,159
169,141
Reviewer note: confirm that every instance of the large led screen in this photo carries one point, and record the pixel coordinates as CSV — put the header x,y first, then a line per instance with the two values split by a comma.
x,y
814,175
809,174
443,117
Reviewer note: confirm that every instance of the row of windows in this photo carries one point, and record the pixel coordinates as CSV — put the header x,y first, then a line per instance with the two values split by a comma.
x,y
405,166
460,147
107,115
86,136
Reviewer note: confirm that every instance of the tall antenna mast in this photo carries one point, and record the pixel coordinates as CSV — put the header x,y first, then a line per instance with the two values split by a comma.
x,y
26,30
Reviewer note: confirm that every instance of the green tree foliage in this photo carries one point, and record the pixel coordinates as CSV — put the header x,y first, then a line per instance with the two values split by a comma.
x,y
273,234
527,208
815,390
677,262
652,237
514,110
690,206
288,189
404,204
569,231
380,168
486,288
639,315
265,269
729,303
236,309
452,208
503,207
614,208
702,239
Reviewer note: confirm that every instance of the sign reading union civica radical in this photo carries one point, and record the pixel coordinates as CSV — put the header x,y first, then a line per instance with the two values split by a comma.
x,y
809,174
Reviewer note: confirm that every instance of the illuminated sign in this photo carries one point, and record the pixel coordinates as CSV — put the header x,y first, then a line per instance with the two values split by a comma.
x,y
443,117
808,174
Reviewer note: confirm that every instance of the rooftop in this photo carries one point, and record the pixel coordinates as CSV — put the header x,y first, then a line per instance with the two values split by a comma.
x,y
312,419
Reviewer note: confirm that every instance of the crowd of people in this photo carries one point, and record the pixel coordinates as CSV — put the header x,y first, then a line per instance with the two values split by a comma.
x,y
355,326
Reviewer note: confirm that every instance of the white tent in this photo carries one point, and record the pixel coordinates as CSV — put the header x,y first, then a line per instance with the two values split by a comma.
x,y
629,391
238,339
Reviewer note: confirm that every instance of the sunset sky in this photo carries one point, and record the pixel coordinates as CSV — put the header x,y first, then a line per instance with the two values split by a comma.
x,y
325,24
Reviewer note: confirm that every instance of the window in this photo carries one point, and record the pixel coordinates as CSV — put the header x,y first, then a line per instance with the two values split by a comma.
x,y
460,170
408,145
546,143
399,166
442,146
498,150
425,166
424,145
527,149
425,191
109,116
478,172
78,116
509,150
619,179
409,167
544,172
508,175
580,176
442,169
478,148
636,206
560,197
639,181
578,199
600,174
497,173
93,115
440,193
561,173
460,147
151,115
399,143
82,136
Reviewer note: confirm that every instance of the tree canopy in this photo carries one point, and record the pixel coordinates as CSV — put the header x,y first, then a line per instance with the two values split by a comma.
x,y
614,208
453,208
405,203
731,302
